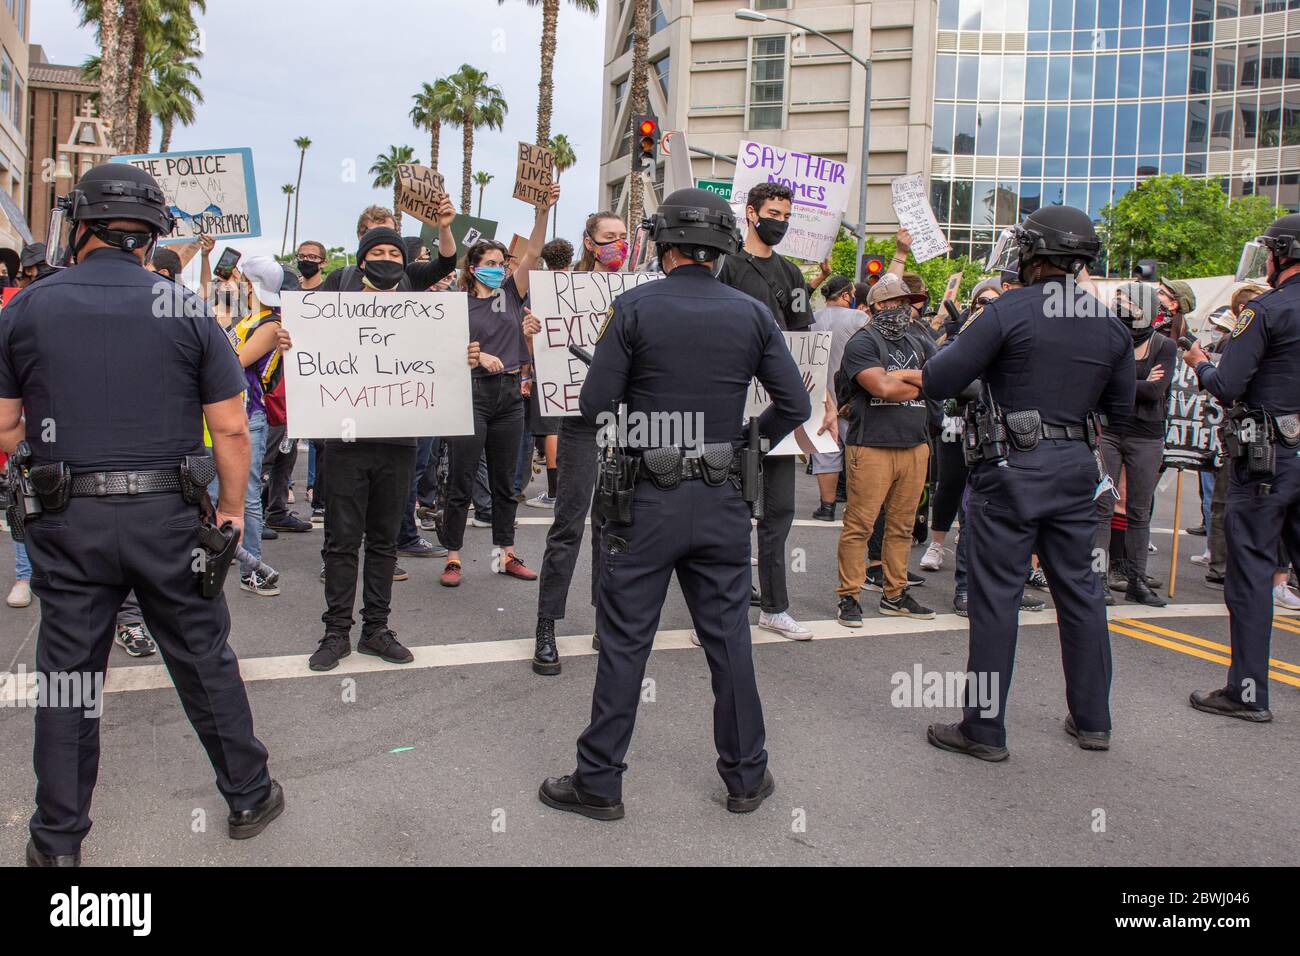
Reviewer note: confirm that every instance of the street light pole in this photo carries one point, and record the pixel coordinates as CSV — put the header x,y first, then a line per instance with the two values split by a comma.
x,y
757,17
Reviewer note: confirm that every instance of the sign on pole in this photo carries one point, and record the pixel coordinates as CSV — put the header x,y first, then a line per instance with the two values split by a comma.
x,y
377,364
1191,424
821,192
720,186
211,192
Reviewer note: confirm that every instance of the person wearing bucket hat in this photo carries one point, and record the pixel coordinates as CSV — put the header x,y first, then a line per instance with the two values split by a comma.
x,y
125,496
1177,302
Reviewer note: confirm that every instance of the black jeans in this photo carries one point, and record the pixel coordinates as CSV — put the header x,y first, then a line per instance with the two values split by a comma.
x,y
1140,459
498,430
950,469
409,535
774,530
318,489
369,483
575,461
278,467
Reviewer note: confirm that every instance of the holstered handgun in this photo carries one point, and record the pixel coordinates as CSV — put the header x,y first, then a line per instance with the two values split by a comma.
x,y
219,547
616,473
1249,436
751,470
24,503
985,438
52,482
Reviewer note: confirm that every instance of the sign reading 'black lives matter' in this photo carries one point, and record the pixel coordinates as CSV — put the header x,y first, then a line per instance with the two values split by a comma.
x,y
1191,424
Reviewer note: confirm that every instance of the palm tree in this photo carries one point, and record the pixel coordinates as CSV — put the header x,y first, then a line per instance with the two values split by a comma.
x,y
385,172
475,104
303,143
172,96
637,94
564,159
288,191
432,109
545,88
481,180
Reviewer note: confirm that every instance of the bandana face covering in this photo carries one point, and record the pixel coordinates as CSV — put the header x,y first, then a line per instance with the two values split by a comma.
x,y
892,323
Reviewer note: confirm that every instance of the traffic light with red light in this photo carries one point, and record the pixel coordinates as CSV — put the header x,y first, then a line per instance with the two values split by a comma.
x,y
873,267
645,151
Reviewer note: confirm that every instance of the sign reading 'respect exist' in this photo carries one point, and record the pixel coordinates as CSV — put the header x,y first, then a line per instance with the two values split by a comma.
x,y
572,307
211,192
820,187
377,364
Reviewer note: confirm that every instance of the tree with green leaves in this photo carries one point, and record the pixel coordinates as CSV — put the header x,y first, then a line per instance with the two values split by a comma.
x,y
476,104
431,110
481,180
384,170
935,272
288,191
1189,225
564,159
303,143
546,86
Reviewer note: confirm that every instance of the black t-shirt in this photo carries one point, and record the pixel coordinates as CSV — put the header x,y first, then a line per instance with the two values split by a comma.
x,y
874,422
496,323
774,281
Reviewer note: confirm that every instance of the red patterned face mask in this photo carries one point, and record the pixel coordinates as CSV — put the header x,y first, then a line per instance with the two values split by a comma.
x,y
611,255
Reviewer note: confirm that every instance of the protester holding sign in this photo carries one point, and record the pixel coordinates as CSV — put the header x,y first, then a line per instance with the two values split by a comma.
x,y
604,249
776,282
496,315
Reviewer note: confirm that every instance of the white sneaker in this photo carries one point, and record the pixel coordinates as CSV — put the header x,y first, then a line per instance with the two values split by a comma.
x,y
1284,597
541,501
20,595
1202,559
695,638
784,625
932,560
1152,549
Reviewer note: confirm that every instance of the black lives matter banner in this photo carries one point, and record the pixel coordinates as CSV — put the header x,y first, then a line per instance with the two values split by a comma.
x,y
1191,422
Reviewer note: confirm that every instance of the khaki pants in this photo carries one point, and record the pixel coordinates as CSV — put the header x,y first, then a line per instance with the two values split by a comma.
x,y
892,478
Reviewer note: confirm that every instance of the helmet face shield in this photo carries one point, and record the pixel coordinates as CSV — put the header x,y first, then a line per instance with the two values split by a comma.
x,y
1254,262
1005,254
56,237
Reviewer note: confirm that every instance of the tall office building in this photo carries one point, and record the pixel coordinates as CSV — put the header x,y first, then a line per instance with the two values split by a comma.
x,y
1076,101
723,80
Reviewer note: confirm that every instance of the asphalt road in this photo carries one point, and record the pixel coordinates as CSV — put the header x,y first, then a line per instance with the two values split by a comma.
x,y
438,762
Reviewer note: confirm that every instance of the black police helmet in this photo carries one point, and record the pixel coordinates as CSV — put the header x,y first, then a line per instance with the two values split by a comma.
x,y
113,191
698,222
1061,235
1283,237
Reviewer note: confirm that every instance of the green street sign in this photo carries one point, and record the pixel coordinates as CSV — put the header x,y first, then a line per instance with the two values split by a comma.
x,y
721,187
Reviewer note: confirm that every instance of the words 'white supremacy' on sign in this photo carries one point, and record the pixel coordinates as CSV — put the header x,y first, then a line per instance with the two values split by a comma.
x,y
572,307
377,364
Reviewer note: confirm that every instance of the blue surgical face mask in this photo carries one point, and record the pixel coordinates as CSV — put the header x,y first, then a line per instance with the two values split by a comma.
x,y
491,276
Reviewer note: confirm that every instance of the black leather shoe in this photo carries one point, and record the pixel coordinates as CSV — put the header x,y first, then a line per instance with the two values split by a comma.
x,y
749,802
546,659
245,824
1140,593
959,604
1199,532
562,793
1215,581
595,642
36,858
1218,702
1088,739
950,737
825,512
755,599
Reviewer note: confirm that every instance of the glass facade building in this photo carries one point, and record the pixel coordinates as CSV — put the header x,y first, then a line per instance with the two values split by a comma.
x,y
1075,101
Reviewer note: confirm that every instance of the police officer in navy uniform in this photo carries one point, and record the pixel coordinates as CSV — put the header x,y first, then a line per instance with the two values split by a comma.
x,y
1051,348
1259,370
686,344
116,375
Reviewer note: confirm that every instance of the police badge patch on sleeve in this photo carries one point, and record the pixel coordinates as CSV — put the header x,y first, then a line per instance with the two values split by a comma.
x,y
609,317
966,325
1243,321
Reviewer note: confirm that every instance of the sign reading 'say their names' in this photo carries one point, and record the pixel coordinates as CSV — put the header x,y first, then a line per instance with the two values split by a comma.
x,y
377,364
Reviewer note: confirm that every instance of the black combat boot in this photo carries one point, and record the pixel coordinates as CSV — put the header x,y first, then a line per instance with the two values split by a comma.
x,y
1139,592
546,659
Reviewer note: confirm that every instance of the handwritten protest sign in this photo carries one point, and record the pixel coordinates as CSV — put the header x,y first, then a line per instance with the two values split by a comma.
x,y
377,365
912,207
420,190
1191,435
534,174
211,192
812,353
572,307
820,188
465,230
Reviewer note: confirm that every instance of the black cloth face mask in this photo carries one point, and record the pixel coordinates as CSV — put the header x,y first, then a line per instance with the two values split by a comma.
x,y
383,273
771,231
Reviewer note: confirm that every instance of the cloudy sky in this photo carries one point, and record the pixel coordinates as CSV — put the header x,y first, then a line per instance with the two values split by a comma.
x,y
343,72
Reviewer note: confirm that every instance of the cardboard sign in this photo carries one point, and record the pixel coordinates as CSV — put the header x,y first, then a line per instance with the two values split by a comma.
x,y
211,192
466,230
812,353
517,246
912,207
572,307
1191,420
420,190
377,364
534,174
951,288
821,192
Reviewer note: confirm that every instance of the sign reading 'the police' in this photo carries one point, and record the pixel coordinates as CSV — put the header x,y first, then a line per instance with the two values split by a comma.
x,y
377,364
1191,432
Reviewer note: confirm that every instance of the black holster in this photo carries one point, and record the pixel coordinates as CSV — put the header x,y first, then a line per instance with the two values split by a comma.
x,y
985,437
1025,428
52,482
219,546
751,471
1249,436
615,482
197,472
663,466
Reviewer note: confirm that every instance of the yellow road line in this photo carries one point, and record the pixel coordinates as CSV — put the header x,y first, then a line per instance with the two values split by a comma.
x,y
1193,651
1202,642
1287,624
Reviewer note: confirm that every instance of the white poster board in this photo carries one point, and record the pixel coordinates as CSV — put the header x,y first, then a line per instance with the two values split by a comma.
x,y
572,307
812,353
211,192
377,364
912,207
821,193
